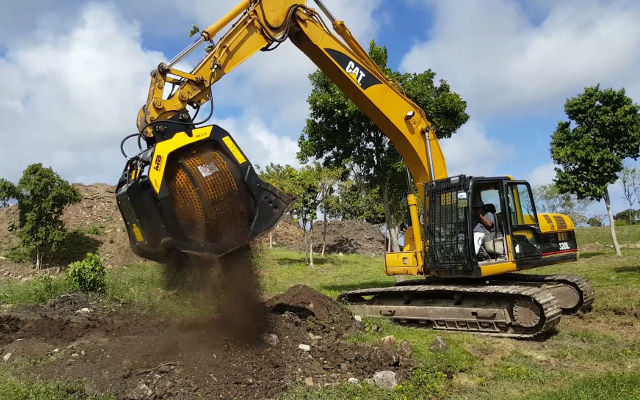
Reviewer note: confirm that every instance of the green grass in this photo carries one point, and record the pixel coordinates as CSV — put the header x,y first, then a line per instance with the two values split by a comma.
x,y
12,388
35,291
626,235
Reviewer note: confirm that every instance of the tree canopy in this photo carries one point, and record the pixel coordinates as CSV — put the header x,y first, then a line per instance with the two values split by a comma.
x,y
41,195
603,130
549,199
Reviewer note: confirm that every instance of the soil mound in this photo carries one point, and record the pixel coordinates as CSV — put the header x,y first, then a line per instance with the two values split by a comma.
x,y
350,237
305,302
150,357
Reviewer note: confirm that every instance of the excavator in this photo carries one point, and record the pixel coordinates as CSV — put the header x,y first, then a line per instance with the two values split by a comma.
x,y
192,191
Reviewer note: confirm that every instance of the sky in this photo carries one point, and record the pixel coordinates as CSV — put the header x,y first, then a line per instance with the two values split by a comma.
x,y
75,73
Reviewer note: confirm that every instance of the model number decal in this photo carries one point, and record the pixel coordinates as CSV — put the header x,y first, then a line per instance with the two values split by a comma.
x,y
564,246
157,162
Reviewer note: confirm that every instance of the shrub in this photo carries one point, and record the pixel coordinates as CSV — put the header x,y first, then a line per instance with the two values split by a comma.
x,y
89,274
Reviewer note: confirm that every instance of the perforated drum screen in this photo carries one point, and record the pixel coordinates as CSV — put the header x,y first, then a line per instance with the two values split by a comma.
x,y
210,200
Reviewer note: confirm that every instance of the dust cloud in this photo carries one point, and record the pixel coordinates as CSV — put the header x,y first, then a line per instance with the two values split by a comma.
x,y
230,301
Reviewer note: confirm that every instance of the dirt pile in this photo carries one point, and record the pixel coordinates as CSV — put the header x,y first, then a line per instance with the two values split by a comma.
x,y
138,356
350,237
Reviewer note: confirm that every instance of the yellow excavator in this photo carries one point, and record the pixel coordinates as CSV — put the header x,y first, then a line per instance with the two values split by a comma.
x,y
192,190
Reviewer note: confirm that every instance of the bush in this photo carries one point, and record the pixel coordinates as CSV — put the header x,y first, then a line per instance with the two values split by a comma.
x,y
89,274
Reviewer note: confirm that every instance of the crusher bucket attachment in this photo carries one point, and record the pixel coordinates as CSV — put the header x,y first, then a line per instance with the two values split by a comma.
x,y
195,193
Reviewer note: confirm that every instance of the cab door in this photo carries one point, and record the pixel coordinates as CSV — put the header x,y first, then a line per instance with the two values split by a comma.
x,y
522,221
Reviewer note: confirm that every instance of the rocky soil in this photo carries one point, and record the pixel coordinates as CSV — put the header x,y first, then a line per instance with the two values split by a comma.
x,y
136,356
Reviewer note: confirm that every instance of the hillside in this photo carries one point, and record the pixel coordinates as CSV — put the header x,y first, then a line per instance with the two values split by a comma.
x,y
97,226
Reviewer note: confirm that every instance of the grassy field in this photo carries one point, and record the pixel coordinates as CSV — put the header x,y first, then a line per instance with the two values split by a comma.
x,y
594,356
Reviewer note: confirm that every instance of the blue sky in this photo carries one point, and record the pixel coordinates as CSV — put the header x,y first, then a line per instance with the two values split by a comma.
x,y
76,72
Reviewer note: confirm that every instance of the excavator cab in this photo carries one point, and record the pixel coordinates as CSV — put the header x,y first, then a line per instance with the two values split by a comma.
x,y
457,244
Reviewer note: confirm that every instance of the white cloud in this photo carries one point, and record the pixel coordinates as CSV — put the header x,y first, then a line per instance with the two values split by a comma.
x,y
502,61
472,152
75,77
542,175
261,145
70,98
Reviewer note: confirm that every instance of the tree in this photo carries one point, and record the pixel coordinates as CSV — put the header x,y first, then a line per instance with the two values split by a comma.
x,y
630,178
282,177
603,130
628,217
304,184
549,199
328,179
42,196
594,222
354,200
341,135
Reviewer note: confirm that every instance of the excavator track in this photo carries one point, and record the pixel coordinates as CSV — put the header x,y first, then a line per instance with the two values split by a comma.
x,y
514,311
575,294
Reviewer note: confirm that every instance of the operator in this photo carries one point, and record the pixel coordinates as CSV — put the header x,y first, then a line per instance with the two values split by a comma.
x,y
483,230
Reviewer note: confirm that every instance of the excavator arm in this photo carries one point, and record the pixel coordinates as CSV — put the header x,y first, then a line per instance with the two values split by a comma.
x,y
265,23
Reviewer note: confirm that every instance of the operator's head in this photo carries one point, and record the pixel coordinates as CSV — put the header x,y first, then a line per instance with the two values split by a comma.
x,y
478,206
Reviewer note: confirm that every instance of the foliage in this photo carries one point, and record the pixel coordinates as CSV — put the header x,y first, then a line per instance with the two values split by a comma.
x,y
630,178
341,135
17,389
95,229
88,275
628,216
311,185
594,222
42,196
549,199
354,200
603,129
35,291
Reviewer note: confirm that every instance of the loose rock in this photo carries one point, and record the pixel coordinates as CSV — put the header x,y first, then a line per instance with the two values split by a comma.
x,y
438,345
304,347
385,380
354,381
271,339
308,381
141,391
406,348
388,340
7,357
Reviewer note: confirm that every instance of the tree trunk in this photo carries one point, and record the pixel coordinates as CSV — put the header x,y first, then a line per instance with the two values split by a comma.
x,y
393,238
306,242
324,231
38,259
311,245
612,223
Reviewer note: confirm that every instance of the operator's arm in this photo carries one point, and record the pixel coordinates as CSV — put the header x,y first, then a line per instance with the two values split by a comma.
x,y
487,220
268,22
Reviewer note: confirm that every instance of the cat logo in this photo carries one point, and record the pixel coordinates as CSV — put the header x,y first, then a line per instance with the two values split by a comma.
x,y
365,79
353,69
157,163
